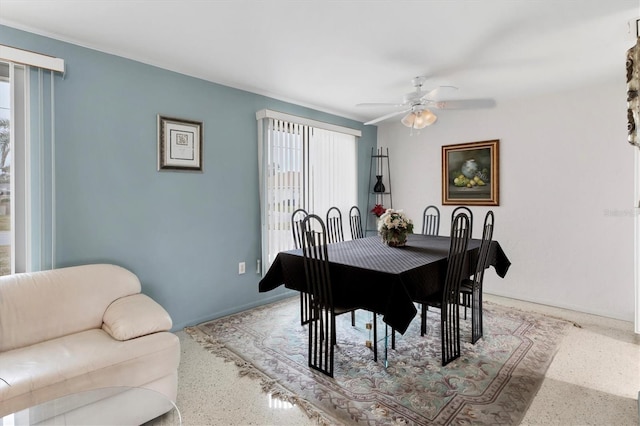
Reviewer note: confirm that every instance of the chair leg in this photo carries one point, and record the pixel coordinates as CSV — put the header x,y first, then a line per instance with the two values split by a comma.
x,y
305,308
476,316
334,335
321,332
450,332
353,318
423,320
375,338
465,302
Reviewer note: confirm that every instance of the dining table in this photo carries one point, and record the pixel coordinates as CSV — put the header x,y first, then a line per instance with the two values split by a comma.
x,y
368,274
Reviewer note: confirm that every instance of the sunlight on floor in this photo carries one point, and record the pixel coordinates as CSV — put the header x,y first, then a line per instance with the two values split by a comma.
x,y
587,347
278,404
8,420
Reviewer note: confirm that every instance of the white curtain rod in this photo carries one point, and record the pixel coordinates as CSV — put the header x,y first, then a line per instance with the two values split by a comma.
x,y
27,57
267,113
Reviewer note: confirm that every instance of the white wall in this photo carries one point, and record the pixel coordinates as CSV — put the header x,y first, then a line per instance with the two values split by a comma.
x,y
565,218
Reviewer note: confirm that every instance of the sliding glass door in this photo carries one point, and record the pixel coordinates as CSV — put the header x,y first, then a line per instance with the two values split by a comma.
x,y
303,166
6,228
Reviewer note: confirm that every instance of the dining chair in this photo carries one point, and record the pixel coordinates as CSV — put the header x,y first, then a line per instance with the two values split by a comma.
x,y
296,229
469,213
296,221
471,288
431,221
335,234
322,324
355,222
467,210
334,225
448,299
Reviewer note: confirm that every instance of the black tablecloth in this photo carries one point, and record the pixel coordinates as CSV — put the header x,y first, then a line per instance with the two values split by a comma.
x,y
368,274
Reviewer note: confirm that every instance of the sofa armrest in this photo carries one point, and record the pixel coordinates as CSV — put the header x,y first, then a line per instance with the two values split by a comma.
x,y
135,316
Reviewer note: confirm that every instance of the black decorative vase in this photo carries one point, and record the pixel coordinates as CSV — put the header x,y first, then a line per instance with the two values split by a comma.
x,y
379,186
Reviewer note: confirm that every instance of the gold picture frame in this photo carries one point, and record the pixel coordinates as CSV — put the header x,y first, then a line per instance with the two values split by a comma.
x,y
179,144
471,173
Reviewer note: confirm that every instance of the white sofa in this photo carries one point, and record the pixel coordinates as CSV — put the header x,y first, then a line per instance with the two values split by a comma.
x,y
79,328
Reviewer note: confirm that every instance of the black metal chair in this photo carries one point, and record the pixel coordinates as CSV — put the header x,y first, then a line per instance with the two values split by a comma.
x,y
296,221
322,325
469,213
355,222
335,234
471,288
334,225
448,300
467,210
431,221
296,230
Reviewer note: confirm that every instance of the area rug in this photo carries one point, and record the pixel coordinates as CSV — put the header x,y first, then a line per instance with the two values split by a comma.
x,y
493,382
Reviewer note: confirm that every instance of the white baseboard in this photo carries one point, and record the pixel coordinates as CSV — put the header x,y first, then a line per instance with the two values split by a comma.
x,y
555,304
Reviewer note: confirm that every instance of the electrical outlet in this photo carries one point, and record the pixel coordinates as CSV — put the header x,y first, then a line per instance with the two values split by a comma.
x,y
241,268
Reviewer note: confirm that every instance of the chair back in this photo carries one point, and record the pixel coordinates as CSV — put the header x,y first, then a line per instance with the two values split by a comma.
x,y
431,221
478,277
296,221
355,222
483,254
316,268
334,225
467,210
450,319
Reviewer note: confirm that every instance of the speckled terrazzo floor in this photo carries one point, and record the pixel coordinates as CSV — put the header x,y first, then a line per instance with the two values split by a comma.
x,y
594,379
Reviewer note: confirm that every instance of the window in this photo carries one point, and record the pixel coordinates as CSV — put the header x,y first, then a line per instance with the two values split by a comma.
x,y
27,160
303,164
6,261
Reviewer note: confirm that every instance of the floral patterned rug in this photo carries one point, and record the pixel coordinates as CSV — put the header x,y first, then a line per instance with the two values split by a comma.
x,y
493,382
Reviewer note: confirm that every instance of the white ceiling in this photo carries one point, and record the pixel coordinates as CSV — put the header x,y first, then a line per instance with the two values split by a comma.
x,y
331,55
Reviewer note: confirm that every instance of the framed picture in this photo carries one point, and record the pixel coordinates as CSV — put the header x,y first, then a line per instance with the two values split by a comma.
x,y
470,174
179,144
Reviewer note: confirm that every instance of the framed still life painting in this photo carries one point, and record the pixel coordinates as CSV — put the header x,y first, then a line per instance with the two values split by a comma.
x,y
470,174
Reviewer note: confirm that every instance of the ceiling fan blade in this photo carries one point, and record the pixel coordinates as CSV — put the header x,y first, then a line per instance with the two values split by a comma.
x,y
465,104
439,91
384,117
380,104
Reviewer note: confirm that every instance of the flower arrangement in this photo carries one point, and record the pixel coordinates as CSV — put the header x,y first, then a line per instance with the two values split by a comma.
x,y
394,226
378,210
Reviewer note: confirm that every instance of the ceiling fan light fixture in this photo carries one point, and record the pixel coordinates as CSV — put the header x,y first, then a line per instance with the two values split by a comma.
x,y
408,119
419,119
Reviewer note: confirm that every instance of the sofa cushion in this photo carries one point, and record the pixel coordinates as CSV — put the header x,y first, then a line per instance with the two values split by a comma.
x,y
134,316
40,306
81,361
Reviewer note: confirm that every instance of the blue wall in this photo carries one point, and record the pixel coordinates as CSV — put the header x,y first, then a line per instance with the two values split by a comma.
x,y
183,234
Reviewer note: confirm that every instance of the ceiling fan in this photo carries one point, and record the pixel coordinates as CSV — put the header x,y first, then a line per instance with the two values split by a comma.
x,y
416,105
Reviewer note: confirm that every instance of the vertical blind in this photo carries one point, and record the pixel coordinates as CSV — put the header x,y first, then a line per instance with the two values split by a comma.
x,y
302,166
40,170
32,148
